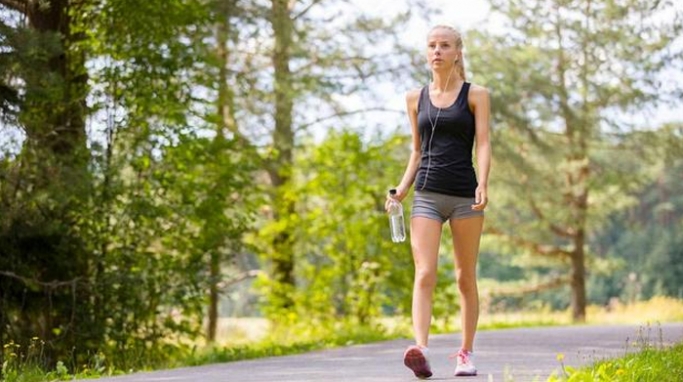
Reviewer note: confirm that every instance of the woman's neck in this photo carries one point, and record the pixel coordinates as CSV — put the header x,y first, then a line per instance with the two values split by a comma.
x,y
445,81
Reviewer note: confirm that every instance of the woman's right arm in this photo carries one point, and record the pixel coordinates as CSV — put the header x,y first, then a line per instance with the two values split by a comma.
x,y
416,152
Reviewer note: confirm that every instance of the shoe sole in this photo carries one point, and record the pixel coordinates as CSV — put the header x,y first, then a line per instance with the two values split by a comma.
x,y
466,374
416,361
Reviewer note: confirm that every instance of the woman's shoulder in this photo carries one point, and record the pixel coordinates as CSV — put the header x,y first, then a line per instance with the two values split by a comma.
x,y
478,90
477,94
413,94
413,98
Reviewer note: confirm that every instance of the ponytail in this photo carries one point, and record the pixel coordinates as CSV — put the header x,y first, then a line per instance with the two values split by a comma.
x,y
460,67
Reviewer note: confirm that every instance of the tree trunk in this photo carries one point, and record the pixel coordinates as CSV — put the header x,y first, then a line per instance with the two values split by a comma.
x,y
214,295
578,189
53,117
576,183
283,143
578,257
578,282
226,111
62,131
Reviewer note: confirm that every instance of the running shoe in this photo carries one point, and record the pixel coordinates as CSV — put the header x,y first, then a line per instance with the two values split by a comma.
x,y
415,358
465,366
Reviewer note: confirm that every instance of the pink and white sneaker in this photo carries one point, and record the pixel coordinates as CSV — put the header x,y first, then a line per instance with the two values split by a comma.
x,y
415,358
465,366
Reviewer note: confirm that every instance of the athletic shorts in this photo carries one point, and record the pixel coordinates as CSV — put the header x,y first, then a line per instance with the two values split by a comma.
x,y
442,207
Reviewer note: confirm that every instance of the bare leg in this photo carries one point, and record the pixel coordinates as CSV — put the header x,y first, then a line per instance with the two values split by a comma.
x,y
425,236
466,235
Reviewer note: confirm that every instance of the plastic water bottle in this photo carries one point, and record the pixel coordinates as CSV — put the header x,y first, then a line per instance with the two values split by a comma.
x,y
396,222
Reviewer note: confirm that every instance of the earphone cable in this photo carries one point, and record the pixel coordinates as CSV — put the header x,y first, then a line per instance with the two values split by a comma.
x,y
433,124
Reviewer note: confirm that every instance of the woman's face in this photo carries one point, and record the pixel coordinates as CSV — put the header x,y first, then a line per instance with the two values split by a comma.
x,y
441,48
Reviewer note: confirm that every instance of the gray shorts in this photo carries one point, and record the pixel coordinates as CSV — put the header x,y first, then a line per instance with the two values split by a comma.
x,y
442,207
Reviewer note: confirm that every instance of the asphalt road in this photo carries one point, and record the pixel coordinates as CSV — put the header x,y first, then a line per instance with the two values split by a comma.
x,y
517,355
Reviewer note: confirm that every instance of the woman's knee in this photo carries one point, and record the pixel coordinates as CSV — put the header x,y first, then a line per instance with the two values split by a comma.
x,y
467,282
425,277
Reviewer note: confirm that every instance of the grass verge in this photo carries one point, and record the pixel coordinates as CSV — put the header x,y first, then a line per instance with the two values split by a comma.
x,y
28,366
658,363
344,335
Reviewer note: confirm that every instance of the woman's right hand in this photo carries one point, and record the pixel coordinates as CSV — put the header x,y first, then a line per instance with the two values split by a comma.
x,y
400,195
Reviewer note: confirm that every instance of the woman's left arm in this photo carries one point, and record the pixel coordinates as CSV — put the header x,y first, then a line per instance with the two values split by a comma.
x,y
481,107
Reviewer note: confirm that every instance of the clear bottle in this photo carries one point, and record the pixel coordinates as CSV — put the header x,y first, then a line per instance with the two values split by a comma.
x,y
396,222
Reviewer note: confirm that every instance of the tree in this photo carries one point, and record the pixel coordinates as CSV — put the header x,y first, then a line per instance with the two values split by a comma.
x,y
646,237
312,63
59,125
224,215
279,170
185,203
349,268
43,260
116,228
571,71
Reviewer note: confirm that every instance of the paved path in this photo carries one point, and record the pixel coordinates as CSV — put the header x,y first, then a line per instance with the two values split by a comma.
x,y
519,355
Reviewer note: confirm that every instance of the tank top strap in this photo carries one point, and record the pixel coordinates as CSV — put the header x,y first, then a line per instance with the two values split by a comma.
x,y
464,93
421,101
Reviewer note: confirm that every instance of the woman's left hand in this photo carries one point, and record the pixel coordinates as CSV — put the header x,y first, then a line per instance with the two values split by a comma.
x,y
480,199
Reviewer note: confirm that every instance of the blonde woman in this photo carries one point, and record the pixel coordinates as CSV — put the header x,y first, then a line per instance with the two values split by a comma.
x,y
449,117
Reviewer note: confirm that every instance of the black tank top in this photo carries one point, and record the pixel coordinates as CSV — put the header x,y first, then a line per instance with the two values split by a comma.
x,y
450,156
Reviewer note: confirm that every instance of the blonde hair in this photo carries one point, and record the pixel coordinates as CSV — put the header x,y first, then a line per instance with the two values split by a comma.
x,y
460,64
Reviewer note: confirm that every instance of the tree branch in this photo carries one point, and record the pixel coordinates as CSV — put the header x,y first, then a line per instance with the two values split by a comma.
x,y
347,113
516,291
546,250
239,278
305,10
49,285
15,5
557,230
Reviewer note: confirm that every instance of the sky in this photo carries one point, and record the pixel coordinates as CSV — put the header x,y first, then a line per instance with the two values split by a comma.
x,y
462,14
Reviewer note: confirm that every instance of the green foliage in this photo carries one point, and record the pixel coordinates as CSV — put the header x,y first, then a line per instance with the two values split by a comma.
x,y
29,367
652,362
118,249
346,264
159,201
317,63
559,132
647,238
300,340
44,187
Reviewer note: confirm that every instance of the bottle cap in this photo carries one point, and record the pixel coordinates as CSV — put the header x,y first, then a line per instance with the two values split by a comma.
x,y
392,191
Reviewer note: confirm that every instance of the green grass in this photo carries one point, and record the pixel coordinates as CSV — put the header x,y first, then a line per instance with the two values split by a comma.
x,y
346,336
648,365
27,366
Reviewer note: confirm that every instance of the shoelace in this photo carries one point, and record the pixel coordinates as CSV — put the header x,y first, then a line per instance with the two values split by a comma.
x,y
462,355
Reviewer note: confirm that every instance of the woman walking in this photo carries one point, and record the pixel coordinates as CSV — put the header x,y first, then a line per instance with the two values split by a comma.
x,y
448,118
